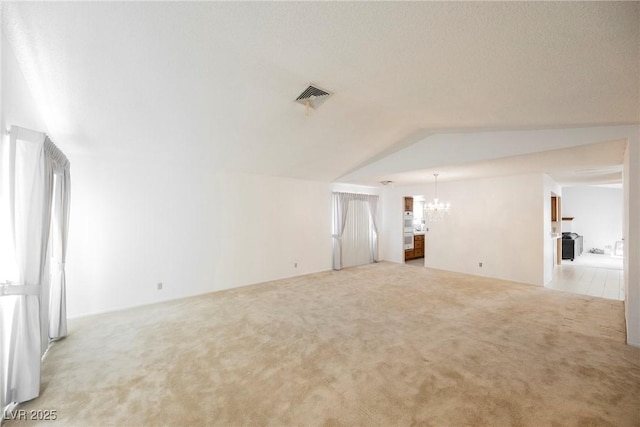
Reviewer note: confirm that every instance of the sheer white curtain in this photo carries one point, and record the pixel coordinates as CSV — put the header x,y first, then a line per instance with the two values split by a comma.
x,y
356,238
340,208
57,321
355,229
33,163
372,203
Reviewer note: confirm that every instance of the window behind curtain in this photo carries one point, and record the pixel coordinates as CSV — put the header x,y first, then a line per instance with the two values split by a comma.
x,y
357,236
8,270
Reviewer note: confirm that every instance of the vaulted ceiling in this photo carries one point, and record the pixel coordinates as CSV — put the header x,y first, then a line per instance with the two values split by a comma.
x,y
212,84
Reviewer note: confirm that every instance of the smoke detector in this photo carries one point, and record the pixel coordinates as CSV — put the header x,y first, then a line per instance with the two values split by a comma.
x,y
313,97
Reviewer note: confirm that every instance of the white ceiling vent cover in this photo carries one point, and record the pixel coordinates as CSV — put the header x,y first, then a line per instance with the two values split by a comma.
x,y
313,97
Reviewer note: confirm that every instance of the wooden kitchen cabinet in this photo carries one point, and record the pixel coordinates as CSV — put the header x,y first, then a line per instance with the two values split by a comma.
x,y
408,204
554,209
418,248
409,254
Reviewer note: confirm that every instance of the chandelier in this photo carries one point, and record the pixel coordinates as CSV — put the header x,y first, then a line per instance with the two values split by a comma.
x,y
436,210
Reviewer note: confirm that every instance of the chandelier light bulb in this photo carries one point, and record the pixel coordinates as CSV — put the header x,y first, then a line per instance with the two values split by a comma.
x,y
436,210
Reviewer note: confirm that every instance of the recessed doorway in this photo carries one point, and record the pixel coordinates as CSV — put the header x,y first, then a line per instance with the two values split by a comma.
x,y
414,230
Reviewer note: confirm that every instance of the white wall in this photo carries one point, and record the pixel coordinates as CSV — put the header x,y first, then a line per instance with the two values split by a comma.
x,y
288,220
17,105
597,213
137,223
496,221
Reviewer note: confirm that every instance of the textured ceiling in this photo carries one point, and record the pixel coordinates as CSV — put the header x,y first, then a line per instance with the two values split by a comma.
x,y
213,84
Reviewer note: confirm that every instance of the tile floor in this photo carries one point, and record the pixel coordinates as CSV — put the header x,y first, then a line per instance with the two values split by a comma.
x,y
418,262
590,274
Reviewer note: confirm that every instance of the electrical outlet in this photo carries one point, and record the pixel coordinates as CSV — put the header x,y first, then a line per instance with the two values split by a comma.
x,y
160,286
479,264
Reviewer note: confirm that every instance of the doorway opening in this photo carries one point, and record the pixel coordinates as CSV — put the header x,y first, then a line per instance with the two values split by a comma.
x,y
414,230
590,245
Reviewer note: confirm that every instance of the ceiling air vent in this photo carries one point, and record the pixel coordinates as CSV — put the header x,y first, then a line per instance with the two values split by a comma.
x,y
313,97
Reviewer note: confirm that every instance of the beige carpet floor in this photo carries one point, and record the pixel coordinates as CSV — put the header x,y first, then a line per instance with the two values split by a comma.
x,y
377,345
